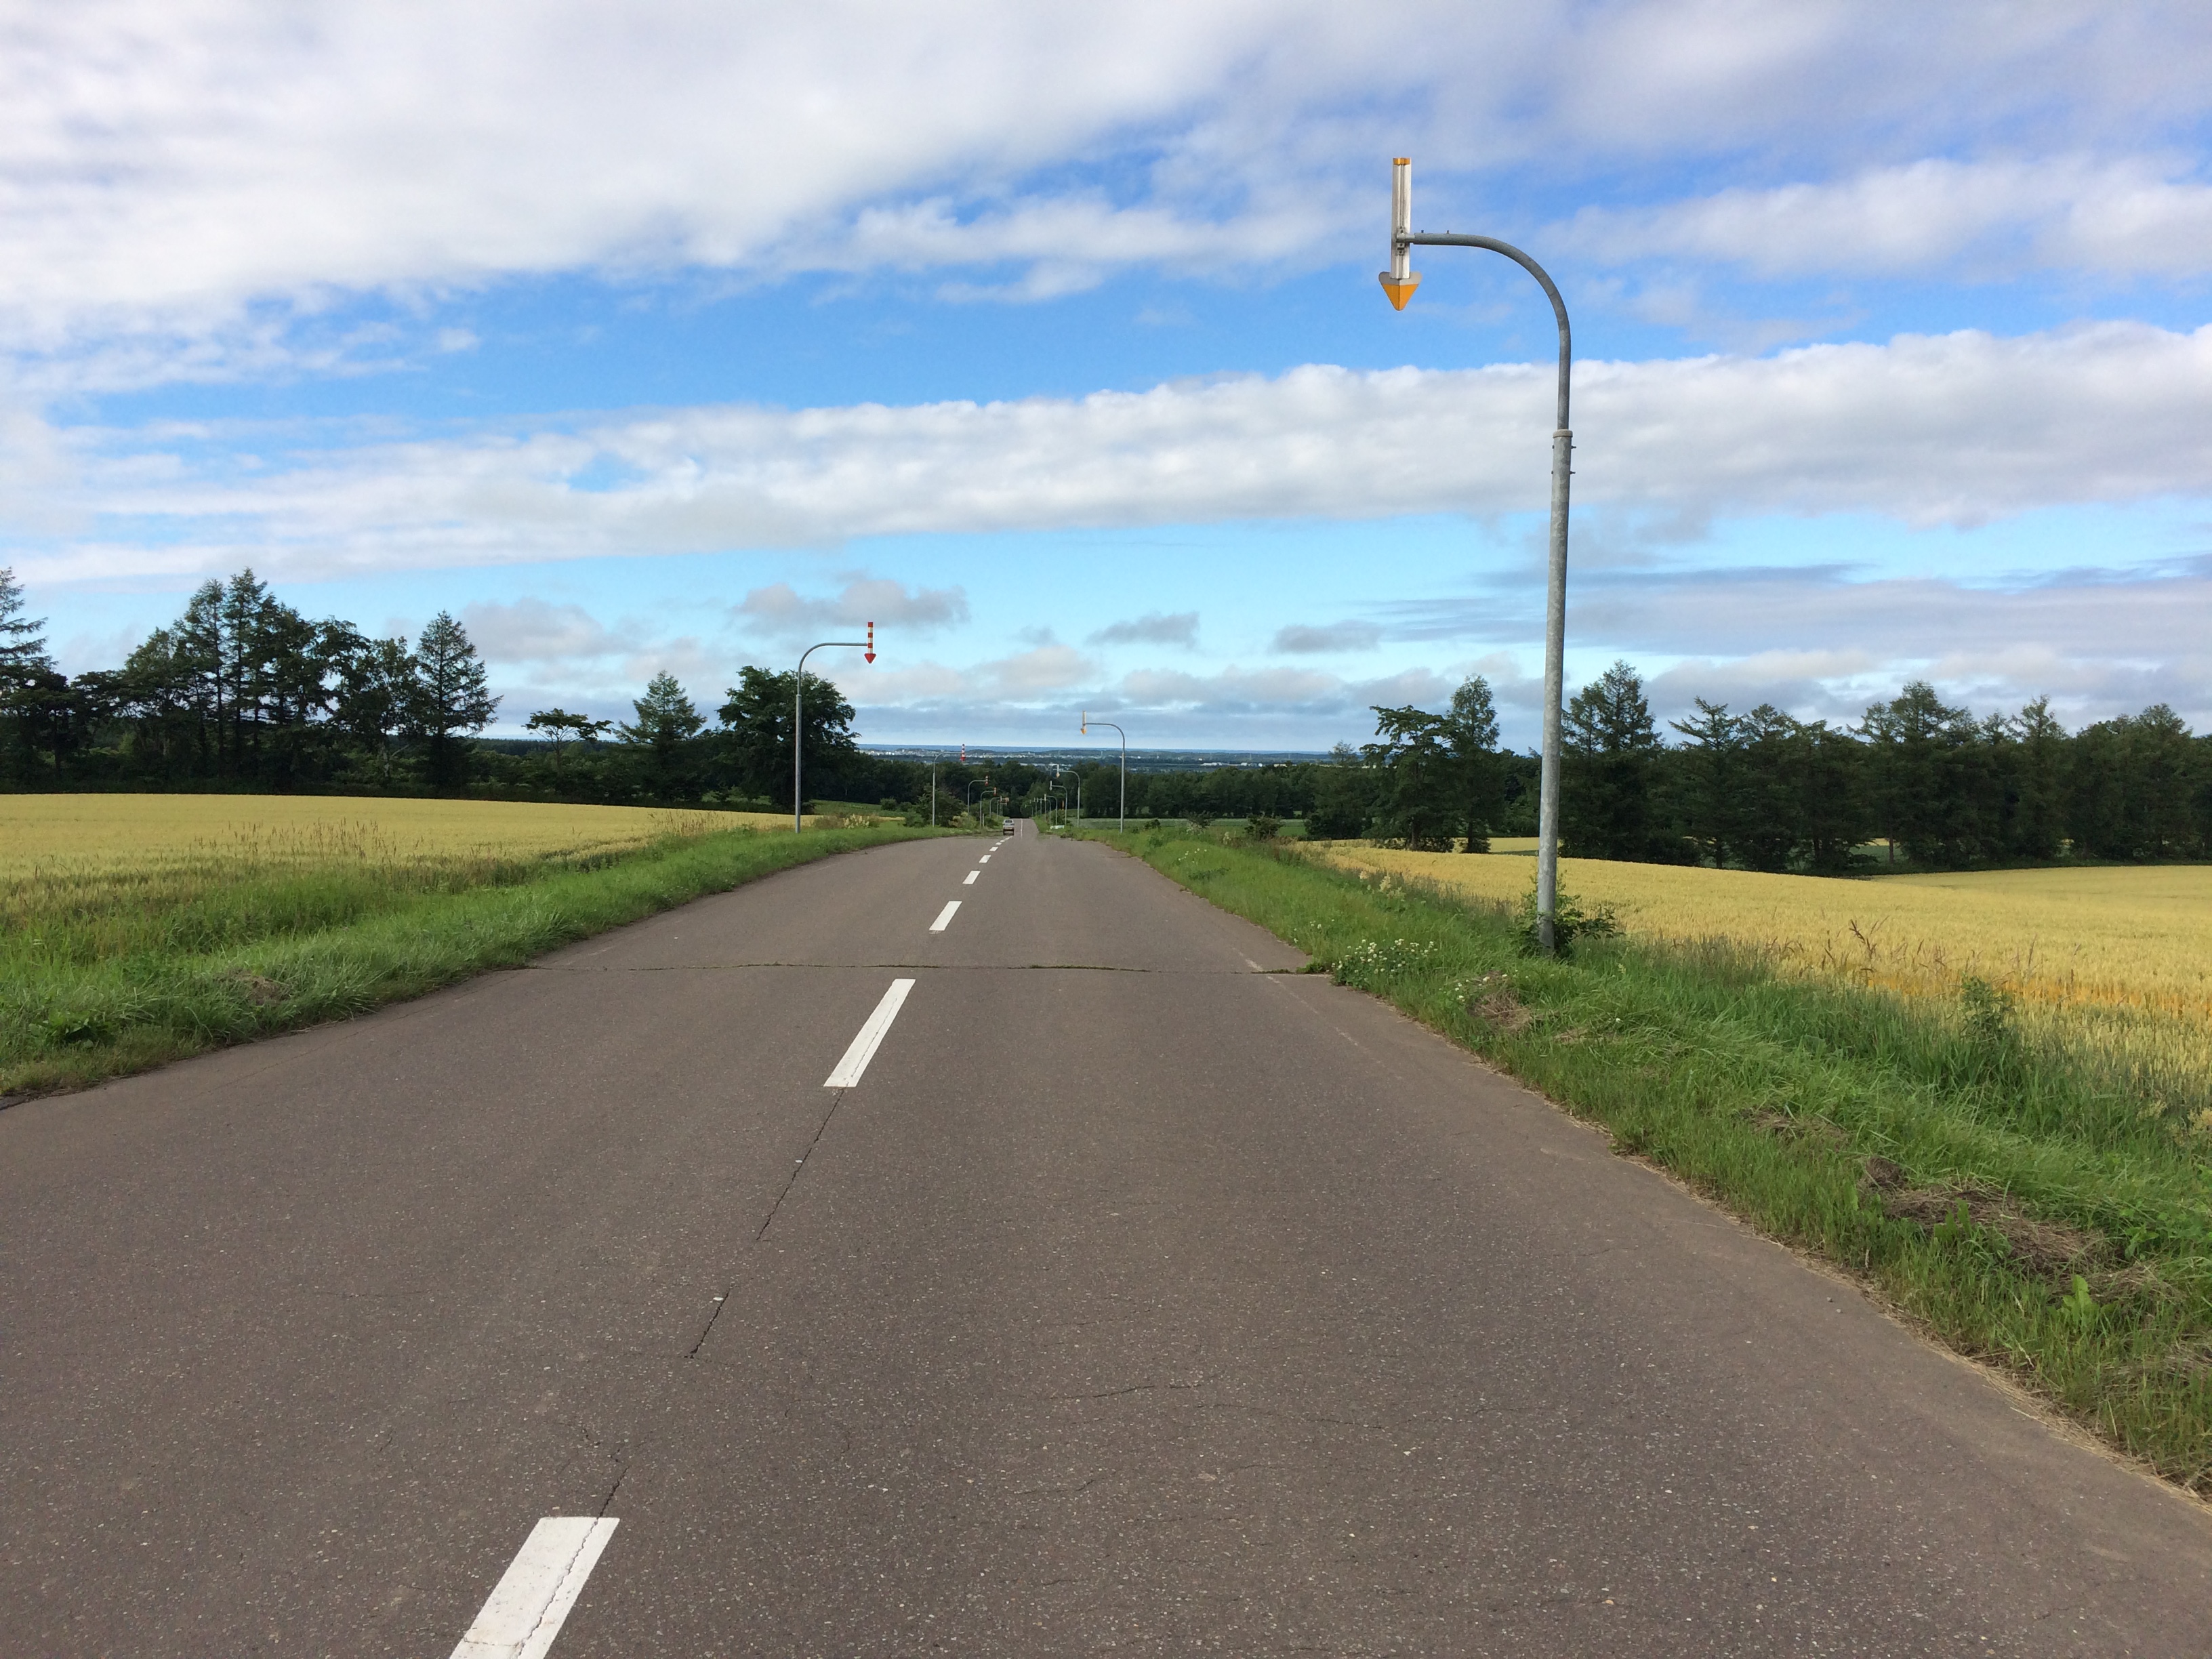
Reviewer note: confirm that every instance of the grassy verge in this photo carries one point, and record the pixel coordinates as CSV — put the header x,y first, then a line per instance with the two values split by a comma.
x,y
2014,1198
283,948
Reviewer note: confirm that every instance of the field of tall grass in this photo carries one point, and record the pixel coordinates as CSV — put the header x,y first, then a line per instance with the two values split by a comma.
x,y
136,928
2025,1191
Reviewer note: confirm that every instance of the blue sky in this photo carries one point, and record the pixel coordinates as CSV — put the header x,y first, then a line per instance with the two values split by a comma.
x,y
678,336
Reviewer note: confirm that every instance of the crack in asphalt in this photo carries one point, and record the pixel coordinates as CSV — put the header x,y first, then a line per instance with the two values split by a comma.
x,y
1117,1394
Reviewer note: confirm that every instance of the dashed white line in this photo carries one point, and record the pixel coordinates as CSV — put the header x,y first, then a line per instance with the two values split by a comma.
x,y
972,874
945,917
863,1049
986,859
525,1609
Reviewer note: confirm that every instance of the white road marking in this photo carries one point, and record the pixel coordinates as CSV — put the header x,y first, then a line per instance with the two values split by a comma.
x,y
945,917
526,1607
972,874
986,859
863,1046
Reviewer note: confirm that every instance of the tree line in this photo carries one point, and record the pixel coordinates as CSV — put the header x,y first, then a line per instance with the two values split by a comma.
x,y
1922,781
1927,782
244,691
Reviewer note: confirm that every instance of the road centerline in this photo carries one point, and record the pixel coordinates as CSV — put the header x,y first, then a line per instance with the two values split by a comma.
x,y
945,916
863,1047
525,1609
970,880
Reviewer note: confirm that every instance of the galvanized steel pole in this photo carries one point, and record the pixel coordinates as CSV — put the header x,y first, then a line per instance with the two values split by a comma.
x,y
1087,724
1399,282
798,724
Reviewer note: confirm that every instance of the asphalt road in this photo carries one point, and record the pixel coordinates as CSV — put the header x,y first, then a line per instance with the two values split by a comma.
x,y
1140,1296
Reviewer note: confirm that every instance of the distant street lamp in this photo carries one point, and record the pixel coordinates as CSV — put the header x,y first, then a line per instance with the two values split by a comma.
x,y
798,720
1399,282
1087,724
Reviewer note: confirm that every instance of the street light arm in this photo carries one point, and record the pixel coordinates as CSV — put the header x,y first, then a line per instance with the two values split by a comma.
x,y
1425,239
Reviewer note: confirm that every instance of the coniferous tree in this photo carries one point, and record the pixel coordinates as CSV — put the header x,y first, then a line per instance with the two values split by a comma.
x,y
1344,798
1928,766
666,723
2160,763
1823,796
2134,788
450,694
1712,792
376,696
2036,824
1610,756
1765,821
1476,768
23,666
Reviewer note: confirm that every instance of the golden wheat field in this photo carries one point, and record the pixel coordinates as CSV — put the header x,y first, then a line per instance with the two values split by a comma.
x,y
88,833
88,878
2115,960
2138,939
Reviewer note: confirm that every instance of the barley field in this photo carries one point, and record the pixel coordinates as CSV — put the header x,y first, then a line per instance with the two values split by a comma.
x,y
118,832
2116,961
91,878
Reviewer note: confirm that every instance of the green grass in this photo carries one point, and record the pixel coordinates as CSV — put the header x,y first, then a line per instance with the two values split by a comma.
x,y
2020,1202
276,951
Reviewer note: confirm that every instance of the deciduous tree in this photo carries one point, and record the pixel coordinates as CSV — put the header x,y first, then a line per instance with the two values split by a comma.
x,y
756,730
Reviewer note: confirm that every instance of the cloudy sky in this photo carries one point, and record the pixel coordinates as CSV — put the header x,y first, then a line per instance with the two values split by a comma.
x,y
681,335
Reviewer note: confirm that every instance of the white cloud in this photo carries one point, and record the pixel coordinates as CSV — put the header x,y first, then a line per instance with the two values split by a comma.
x,y
2128,217
1153,627
700,666
1953,429
779,608
1235,690
1301,639
2083,615
532,630
171,159
169,164
1046,668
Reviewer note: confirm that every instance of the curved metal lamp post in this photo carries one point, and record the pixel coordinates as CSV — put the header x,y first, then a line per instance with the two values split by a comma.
x,y
798,721
1087,724
1399,282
